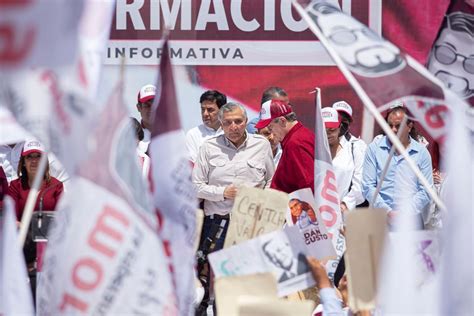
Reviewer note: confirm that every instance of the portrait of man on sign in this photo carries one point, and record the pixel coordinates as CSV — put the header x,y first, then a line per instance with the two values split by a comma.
x,y
364,51
302,214
452,58
279,253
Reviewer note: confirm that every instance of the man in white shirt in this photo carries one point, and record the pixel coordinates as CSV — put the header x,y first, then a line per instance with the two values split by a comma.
x,y
211,101
145,99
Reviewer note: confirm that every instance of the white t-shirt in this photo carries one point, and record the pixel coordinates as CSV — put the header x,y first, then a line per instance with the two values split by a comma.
x,y
348,165
196,136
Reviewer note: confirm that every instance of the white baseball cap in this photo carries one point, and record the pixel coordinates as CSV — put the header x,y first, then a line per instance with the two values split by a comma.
x,y
343,106
147,92
330,117
32,146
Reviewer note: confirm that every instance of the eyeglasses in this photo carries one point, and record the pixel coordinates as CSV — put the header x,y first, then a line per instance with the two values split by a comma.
x,y
346,37
447,56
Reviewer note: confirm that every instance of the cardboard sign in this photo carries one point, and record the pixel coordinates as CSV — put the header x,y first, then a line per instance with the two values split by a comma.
x,y
255,212
229,289
301,213
283,253
365,235
257,306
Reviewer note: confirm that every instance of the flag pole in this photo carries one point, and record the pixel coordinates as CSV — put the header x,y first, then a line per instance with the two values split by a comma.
x,y
31,200
369,105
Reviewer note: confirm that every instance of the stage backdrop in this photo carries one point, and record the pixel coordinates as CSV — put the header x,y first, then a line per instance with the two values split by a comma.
x,y
241,47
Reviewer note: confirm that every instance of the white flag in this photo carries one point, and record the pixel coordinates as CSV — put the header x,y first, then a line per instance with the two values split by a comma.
x,y
104,254
325,188
15,291
38,33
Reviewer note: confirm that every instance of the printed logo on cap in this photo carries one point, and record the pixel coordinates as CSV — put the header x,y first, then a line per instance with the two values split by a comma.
x,y
265,112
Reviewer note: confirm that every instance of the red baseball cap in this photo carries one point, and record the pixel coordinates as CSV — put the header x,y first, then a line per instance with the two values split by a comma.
x,y
147,92
271,110
330,117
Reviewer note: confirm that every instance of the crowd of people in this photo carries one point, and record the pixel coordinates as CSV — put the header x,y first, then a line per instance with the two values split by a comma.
x,y
275,151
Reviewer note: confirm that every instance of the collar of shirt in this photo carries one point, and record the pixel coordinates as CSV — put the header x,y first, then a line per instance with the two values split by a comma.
x,y
228,143
291,132
210,130
412,147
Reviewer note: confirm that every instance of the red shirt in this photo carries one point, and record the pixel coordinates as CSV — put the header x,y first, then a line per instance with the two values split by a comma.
x,y
50,192
296,167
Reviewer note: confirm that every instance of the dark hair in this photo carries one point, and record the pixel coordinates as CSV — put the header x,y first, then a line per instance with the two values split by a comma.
x,y
23,174
139,134
413,132
460,22
291,117
271,93
214,96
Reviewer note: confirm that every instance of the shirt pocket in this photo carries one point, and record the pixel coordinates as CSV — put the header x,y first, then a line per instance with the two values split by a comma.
x,y
217,162
256,170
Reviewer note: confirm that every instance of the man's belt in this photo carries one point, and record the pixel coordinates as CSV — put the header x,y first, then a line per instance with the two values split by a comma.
x,y
217,216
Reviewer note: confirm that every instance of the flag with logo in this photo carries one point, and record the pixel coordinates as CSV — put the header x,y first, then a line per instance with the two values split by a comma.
x,y
38,33
173,193
15,291
325,188
104,255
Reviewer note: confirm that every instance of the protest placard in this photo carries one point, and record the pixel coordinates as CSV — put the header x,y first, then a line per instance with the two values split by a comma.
x,y
255,212
300,212
257,306
365,234
281,252
229,289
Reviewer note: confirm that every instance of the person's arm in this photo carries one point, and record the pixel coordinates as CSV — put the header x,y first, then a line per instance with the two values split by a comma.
x,y
15,194
269,165
422,198
354,196
191,146
331,303
200,178
369,180
301,169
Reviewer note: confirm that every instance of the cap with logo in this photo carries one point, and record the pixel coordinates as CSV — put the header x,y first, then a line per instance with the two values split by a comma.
x,y
271,110
330,117
32,146
343,106
147,92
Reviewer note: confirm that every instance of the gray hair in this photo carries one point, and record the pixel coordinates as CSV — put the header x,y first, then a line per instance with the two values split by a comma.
x,y
228,107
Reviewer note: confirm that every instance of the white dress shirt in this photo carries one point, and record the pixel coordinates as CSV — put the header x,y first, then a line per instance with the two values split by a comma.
x,y
348,165
220,164
196,136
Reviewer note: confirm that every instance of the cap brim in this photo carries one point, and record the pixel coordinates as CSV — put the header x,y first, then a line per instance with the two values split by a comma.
x,y
344,111
144,99
332,124
263,123
31,151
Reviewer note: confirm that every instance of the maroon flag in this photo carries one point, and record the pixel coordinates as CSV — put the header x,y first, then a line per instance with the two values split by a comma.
x,y
173,192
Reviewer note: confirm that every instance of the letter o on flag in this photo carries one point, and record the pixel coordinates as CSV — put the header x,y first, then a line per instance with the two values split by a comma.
x,y
328,214
87,274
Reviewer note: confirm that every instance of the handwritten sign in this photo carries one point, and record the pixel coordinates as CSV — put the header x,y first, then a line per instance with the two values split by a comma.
x,y
256,212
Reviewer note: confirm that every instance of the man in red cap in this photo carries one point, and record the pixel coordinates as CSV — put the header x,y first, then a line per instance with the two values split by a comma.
x,y
296,168
145,99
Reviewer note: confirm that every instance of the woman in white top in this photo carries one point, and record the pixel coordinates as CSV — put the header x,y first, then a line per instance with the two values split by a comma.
x,y
347,161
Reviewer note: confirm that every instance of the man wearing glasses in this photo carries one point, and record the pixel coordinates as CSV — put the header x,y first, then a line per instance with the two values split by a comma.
x,y
296,167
